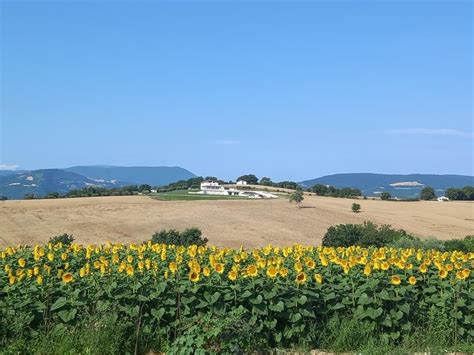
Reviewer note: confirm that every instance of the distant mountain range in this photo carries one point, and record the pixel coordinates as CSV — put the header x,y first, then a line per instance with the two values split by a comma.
x,y
402,186
16,184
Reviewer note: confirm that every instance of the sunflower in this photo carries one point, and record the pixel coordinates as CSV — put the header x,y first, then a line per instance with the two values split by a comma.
x,y
385,266
318,278
367,270
466,273
310,263
298,267
252,270
21,262
272,272
39,280
219,268
67,277
395,280
173,267
232,275
300,278
193,276
423,268
206,271
442,274
283,271
412,280
130,270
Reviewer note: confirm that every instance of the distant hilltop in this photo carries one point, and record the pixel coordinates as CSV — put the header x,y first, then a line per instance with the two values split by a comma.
x,y
17,184
402,186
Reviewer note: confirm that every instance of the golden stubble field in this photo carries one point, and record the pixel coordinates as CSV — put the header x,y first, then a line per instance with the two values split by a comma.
x,y
225,223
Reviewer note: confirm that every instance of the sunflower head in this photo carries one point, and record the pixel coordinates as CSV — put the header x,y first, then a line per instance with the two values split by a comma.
x,y
318,278
442,274
193,276
232,275
300,278
67,277
219,268
272,271
412,280
252,270
396,280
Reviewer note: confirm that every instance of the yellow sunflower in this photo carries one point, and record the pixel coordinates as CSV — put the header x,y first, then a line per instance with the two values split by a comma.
x,y
395,280
193,276
442,274
318,278
219,268
67,277
252,270
300,278
272,271
232,275
412,280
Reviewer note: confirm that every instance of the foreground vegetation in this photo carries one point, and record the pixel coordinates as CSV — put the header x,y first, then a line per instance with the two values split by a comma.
x,y
115,298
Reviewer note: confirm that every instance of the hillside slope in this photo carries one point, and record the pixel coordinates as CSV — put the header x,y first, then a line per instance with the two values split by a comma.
x,y
404,186
155,176
42,182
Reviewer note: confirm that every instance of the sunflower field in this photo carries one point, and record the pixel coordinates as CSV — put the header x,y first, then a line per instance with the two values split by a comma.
x,y
285,292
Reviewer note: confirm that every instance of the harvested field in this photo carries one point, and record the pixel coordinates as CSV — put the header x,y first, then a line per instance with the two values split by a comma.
x,y
226,223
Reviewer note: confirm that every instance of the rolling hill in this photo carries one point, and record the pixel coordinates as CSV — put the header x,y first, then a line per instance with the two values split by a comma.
x,y
402,186
42,182
16,184
155,176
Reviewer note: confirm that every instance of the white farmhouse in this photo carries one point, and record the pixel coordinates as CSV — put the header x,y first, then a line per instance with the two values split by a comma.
x,y
443,198
241,182
214,188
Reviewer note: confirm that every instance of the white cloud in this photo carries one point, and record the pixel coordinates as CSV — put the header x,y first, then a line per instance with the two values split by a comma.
x,y
225,142
8,167
433,132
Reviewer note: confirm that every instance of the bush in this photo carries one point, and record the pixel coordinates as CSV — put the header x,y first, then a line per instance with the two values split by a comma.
x,y
355,207
187,237
366,234
65,239
465,245
385,196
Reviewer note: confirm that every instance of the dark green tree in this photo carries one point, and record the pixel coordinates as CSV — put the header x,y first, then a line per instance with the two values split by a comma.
x,y
385,196
355,207
249,178
266,181
427,193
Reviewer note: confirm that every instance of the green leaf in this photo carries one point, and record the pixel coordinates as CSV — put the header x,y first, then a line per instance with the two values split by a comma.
x,y
280,306
67,315
60,302
364,299
157,313
257,300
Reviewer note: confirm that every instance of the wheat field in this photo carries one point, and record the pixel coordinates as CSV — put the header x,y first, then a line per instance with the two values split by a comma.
x,y
225,223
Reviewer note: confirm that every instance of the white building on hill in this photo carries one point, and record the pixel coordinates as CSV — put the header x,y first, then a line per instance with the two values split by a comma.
x,y
214,188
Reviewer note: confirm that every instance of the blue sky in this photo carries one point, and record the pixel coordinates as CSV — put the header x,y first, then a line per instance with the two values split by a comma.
x,y
290,90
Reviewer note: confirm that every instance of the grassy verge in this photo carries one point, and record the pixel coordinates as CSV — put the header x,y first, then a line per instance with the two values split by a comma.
x,y
229,333
184,195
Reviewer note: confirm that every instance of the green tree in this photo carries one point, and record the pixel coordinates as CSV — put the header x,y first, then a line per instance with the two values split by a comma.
x,y
385,196
320,189
355,207
427,193
297,197
266,181
249,178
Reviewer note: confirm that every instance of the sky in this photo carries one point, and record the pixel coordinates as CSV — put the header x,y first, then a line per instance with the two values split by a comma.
x,y
290,90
